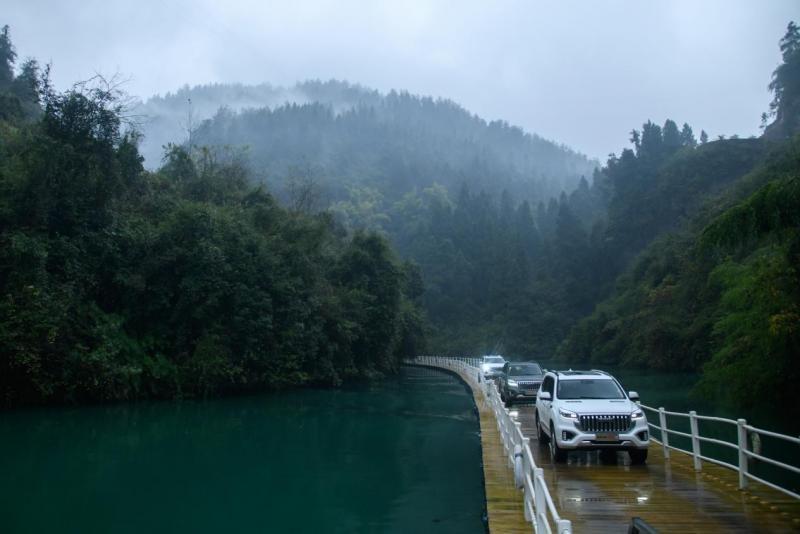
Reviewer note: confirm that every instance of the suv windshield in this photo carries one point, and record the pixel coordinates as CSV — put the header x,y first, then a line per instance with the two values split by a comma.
x,y
493,359
589,388
521,369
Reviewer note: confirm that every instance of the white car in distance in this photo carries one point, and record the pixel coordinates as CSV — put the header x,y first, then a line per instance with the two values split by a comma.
x,y
492,366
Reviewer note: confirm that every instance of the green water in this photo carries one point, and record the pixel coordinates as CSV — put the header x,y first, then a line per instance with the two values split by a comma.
x,y
400,456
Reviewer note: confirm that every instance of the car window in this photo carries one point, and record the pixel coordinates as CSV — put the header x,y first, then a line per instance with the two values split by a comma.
x,y
547,385
589,388
521,369
493,359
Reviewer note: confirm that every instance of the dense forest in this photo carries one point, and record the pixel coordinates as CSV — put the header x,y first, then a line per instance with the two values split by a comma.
x,y
720,292
352,142
322,232
119,283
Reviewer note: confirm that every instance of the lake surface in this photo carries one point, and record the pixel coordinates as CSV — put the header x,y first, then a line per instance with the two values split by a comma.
x,y
400,456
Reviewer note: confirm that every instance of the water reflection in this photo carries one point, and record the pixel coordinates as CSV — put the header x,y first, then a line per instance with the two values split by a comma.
x,y
399,457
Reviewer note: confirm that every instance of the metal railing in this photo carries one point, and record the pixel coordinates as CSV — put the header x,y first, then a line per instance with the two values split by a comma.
x,y
538,504
740,446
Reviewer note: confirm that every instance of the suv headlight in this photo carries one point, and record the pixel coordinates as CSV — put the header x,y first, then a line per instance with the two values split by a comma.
x,y
567,414
512,383
637,414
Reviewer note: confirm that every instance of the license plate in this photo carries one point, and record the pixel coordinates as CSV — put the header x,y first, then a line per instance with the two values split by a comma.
x,y
530,392
607,436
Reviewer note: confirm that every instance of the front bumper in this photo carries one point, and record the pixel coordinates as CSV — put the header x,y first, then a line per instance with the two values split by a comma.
x,y
570,436
519,394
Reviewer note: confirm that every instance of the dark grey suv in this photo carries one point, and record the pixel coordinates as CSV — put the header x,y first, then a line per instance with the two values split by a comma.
x,y
520,381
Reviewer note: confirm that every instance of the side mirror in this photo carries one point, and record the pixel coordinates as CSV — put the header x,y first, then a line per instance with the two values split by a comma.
x,y
632,395
545,396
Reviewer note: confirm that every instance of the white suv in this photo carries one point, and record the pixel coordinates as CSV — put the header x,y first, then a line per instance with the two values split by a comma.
x,y
589,410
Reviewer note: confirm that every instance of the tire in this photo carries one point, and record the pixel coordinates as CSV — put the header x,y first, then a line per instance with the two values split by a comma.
x,y
543,439
558,454
638,456
508,402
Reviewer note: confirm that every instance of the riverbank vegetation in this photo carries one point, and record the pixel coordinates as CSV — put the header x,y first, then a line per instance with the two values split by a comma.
x,y
260,253
118,283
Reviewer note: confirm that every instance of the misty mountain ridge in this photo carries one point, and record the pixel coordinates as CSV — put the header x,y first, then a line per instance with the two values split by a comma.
x,y
346,135
168,118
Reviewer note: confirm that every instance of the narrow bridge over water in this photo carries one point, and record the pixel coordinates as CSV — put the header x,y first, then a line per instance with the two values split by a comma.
x,y
602,493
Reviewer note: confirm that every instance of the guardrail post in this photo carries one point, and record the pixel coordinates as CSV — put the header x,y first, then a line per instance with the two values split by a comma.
x,y
539,517
518,435
564,526
526,494
518,467
695,441
662,420
742,432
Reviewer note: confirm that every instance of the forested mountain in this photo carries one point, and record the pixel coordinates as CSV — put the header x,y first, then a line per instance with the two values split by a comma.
x,y
722,292
260,252
347,139
119,283
515,277
469,201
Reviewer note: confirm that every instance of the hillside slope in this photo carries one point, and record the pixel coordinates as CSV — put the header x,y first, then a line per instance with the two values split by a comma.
x,y
345,135
722,294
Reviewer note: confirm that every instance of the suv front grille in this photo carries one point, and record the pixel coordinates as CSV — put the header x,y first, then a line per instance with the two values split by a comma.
x,y
605,423
529,385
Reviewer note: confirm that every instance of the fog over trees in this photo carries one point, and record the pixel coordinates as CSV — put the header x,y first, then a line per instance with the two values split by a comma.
x,y
233,237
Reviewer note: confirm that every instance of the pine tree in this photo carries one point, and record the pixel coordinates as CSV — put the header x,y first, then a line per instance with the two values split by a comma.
x,y
687,136
652,141
26,87
636,139
703,137
7,58
785,85
671,136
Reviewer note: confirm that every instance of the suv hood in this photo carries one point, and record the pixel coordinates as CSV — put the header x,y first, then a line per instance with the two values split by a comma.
x,y
599,406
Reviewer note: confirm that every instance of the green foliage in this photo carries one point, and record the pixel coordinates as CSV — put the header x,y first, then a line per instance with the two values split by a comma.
x,y
721,295
118,283
757,329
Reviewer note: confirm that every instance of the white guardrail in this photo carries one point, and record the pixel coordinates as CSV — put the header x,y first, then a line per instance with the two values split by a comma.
x,y
539,507
744,453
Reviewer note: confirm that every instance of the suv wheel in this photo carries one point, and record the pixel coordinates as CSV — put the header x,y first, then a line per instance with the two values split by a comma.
x,y
543,439
638,456
558,454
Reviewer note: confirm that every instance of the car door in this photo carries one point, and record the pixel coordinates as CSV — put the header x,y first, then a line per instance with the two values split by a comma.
x,y
544,407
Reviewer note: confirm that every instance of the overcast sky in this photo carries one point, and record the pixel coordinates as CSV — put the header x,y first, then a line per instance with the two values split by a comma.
x,y
581,73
